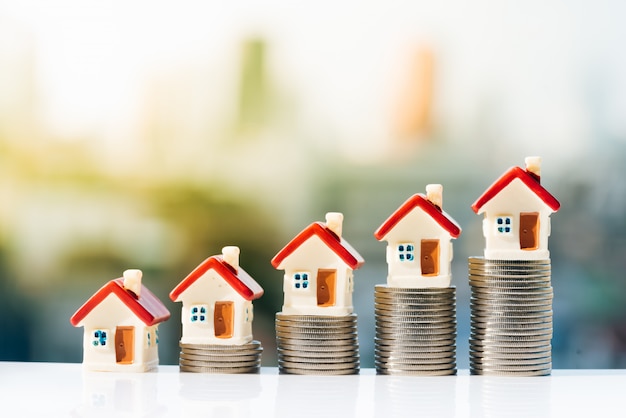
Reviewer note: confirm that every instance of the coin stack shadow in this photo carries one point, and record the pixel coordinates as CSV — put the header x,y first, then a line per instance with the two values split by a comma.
x,y
317,345
214,358
511,317
415,331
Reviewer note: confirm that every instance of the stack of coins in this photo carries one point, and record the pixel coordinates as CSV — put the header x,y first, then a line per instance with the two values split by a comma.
x,y
214,358
511,317
322,345
415,331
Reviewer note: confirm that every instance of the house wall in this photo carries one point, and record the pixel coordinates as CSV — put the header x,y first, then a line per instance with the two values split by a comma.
x,y
108,315
514,199
311,256
207,290
413,228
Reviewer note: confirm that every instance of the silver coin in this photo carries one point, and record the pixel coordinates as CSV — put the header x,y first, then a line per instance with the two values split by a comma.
x,y
521,282
509,346
495,355
383,319
427,342
220,363
494,337
316,318
317,353
415,308
316,334
513,327
513,374
505,272
187,356
488,261
509,358
479,347
318,328
432,290
490,332
521,368
400,372
522,306
418,294
530,296
327,361
393,349
416,359
224,348
287,370
499,362
318,367
415,314
220,370
414,327
414,367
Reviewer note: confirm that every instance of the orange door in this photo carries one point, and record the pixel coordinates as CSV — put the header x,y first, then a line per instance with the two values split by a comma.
x,y
326,287
223,319
429,257
125,345
529,230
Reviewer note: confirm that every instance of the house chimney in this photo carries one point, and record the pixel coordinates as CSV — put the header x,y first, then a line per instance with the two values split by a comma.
x,y
230,255
533,166
132,281
434,194
334,221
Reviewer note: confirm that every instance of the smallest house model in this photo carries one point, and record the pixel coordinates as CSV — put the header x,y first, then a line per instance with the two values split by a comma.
x,y
120,322
318,265
517,213
419,246
217,301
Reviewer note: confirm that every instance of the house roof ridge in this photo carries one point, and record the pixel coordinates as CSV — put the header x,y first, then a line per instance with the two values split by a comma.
x,y
529,179
419,200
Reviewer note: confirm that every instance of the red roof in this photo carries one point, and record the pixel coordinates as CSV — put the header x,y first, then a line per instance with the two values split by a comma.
x,y
239,280
529,179
421,201
339,246
146,307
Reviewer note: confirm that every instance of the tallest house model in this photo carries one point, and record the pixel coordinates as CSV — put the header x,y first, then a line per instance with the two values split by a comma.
x,y
511,305
517,213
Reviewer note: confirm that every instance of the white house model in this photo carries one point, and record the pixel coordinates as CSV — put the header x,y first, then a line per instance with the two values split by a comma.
x,y
318,265
517,212
419,246
120,322
217,301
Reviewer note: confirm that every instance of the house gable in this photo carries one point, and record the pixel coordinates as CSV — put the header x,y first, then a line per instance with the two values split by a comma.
x,y
238,280
410,208
337,245
525,177
147,307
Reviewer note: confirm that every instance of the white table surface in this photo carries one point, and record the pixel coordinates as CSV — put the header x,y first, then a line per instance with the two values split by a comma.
x,y
53,389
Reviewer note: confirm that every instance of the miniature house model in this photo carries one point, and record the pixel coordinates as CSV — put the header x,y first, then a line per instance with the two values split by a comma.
x,y
517,212
217,301
318,265
419,247
120,322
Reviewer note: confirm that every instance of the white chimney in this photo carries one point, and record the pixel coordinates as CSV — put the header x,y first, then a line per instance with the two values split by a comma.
x,y
230,255
533,166
334,221
132,281
434,194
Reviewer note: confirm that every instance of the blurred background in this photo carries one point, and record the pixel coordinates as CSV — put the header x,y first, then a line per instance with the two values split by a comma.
x,y
151,134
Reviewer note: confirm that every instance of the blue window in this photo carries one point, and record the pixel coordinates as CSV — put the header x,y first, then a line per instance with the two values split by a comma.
x,y
406,252
99,338
149,339
301,280
198,313
503,223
